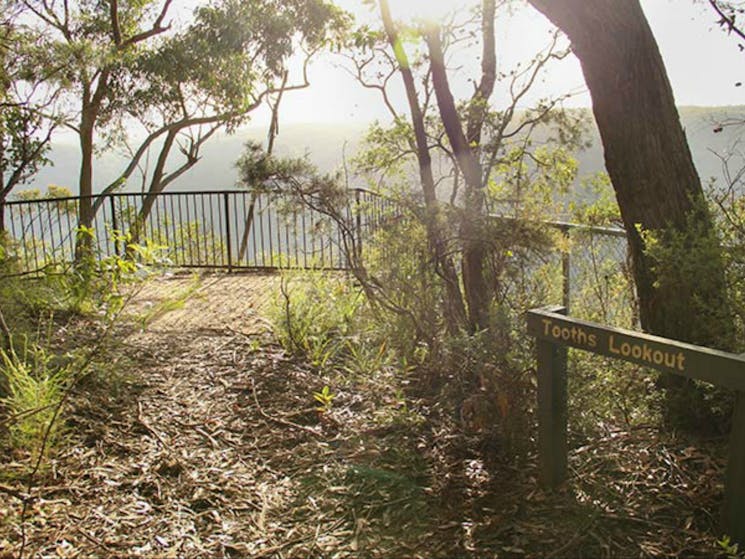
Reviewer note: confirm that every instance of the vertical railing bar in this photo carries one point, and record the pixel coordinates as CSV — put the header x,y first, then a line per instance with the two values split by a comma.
x,y
287,241
24,242
269,235
295,238
221,229
97,232
260,201
182,232
38,219
213,234
278,222
194,241
188,230
244,234
305,235
236,221
158,222
50,221
358,223
152,222
59,230
47,245
253,232
172,240
197,233
339,245
227,232
114,225
70,235
12,221
204,229
323,243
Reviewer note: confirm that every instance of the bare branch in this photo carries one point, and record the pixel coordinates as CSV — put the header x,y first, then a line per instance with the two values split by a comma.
x,y
726,20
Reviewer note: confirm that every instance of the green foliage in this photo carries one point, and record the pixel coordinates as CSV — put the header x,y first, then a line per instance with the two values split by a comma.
x,y
729,210
34,389
230,51
730,549
398,260
595,202
692,250
100,284
606,391
529,183
324,398
314,315
35,371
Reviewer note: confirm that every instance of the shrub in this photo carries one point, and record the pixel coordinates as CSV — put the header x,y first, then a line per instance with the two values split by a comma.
x,y
314,314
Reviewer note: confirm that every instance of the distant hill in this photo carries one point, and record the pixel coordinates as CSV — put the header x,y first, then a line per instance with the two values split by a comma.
x,y
325,144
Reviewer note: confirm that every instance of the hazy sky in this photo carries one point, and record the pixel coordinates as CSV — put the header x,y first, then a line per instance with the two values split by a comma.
x,y
703,62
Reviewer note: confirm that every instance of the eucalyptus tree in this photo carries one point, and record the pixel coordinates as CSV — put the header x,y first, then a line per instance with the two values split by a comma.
x,y
484,147
232,58
677,260
126,61
27,118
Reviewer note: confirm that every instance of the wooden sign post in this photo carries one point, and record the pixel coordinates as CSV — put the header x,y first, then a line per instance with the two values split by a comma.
x,y
554,332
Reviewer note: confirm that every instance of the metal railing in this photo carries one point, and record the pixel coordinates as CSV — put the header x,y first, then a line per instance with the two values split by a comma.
x,y
227,229
244,230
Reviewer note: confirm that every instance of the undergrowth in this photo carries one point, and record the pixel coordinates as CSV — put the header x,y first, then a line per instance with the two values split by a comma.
x,y
34,388
43,314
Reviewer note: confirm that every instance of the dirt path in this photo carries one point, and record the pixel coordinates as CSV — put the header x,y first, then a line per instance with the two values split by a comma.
x,y
210,447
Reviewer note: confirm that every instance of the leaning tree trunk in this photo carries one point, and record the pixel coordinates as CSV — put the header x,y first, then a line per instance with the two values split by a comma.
x,y
651,168
453,306
474,252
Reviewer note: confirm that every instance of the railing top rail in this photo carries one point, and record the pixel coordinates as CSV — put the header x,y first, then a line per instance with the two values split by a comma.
x,y
558,224
570,226
167,193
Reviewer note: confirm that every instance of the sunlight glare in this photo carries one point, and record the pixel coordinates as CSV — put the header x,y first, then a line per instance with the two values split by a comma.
x,y
435,11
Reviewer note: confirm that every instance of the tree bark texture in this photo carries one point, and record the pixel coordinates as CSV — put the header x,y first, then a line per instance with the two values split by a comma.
x,y
466,148
474,253
650,165
84,244
454,307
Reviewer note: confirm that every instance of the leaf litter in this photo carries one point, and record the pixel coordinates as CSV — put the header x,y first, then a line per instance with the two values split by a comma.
x,y
213,447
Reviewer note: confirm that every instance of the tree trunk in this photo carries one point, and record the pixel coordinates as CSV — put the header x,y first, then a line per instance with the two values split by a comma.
x,y
156,187
466,147
474,253
651,168
648,160
84,243
454,307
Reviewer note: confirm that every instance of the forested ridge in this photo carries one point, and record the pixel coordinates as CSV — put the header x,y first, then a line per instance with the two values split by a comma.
x,y
323,143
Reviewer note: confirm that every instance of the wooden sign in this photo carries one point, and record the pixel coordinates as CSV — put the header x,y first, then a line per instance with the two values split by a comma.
x,y
688,360
554,332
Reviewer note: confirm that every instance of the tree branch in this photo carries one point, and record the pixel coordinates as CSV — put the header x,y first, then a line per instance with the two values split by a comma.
x,y
156,29
727,21
114,15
